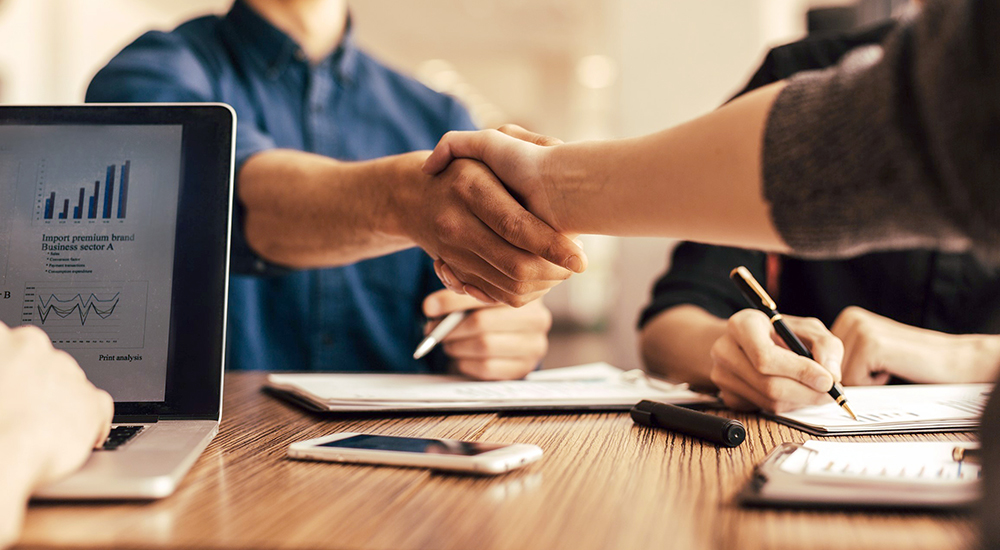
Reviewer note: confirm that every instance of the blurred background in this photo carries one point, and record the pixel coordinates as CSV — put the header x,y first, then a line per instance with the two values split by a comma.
x,y
575,69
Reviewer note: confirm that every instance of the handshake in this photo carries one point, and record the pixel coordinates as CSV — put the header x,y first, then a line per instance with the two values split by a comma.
x,y
504,240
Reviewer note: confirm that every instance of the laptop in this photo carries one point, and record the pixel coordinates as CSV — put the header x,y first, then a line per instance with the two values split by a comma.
x,y
114,239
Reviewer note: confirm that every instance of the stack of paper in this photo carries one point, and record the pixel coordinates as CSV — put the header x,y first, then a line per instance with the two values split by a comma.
x,y
587,387
896,474
896,409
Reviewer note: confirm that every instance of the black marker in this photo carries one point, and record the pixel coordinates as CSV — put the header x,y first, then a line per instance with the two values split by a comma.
x,y
716,429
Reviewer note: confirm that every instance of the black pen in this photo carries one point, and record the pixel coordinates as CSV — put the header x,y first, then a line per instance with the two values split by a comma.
x,y
758,298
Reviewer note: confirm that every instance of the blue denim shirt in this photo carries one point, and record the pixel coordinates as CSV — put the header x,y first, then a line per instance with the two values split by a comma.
x,y
361,317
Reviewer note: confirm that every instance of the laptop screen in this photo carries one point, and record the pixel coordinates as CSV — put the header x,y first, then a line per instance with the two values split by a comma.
x,y
92,243
88,216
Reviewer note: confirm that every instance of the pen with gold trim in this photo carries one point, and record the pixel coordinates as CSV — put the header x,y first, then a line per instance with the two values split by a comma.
x,y
758,298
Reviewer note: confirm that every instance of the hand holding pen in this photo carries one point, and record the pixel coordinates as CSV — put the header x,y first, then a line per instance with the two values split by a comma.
x,y
489,342
807,372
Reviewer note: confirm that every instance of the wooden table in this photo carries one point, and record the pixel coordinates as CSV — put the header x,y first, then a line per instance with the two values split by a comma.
x,y
603,483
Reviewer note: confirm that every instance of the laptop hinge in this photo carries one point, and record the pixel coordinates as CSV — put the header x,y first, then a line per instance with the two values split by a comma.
x,y
134,419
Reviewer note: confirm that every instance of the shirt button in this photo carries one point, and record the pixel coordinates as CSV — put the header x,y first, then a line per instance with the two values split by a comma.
x,y
316,107
260,266
327,339
300,55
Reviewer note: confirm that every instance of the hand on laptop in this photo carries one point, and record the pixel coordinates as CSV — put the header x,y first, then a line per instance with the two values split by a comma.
x,y
753,368
51,417
493,342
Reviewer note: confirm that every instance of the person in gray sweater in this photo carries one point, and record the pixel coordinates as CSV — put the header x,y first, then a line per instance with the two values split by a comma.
x,y
897,146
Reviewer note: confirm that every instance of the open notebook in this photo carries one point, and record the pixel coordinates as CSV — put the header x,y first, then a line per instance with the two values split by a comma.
x,y
896,409
597,386
883,474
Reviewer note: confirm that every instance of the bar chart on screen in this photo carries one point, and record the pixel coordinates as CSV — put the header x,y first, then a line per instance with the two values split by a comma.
x,y
95,197
88,315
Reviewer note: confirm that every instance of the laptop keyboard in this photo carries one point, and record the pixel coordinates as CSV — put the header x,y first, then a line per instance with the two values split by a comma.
x,y
119,436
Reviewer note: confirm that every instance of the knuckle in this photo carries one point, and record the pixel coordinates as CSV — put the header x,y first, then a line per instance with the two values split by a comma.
x,y
717,376
773,389
718,352
510,225
32,335
521,271
740,319
475,322
519,290
448,227
519,300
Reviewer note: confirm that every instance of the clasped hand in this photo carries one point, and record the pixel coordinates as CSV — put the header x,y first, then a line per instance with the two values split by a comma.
x,y
487,268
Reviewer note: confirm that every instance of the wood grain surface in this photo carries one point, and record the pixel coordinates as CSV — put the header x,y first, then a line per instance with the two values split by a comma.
x,y
603,483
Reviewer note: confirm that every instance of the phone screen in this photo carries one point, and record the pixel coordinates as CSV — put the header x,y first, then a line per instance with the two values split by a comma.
x,y
413,445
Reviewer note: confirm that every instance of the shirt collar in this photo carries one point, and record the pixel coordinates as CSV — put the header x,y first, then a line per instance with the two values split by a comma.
x,y
273,50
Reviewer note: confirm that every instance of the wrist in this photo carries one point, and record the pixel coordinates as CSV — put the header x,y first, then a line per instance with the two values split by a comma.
x,y
17,480
982,360
396,193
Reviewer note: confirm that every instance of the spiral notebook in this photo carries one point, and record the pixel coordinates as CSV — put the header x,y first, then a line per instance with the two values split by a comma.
x,y
871,475
597,386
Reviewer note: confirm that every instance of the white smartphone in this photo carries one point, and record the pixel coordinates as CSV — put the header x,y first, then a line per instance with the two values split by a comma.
x,y
437,454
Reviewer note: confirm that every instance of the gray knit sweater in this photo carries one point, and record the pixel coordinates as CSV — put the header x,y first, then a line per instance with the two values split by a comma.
x,y
899,145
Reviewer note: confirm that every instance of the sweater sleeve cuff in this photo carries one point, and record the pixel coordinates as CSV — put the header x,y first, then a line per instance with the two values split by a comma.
x,y
840,170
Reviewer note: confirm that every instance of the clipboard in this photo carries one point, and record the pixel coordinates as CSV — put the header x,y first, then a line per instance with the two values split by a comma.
x,y
778,483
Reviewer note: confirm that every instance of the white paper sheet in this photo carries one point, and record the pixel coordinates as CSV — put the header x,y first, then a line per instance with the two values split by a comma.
x,y
592,385
896,409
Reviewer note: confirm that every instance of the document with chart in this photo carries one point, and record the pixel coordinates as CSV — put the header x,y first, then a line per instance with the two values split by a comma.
x,y
87,228
913,408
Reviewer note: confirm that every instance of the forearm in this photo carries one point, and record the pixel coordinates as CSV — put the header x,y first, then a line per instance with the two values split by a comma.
x,y
16,479
306,211
676,344
983,359
700,180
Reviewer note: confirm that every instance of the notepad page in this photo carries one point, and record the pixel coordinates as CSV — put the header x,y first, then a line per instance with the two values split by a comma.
x,y
585,385
887,407
881,462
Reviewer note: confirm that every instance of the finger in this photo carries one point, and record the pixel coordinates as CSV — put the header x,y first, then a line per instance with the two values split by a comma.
x,y
106,413
752,331
512,293
735,402
522,229
532,319
448,278
522,346
730,365
495,369
827,349
443,302
480,295
772,393
520,133
493,213
453,145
